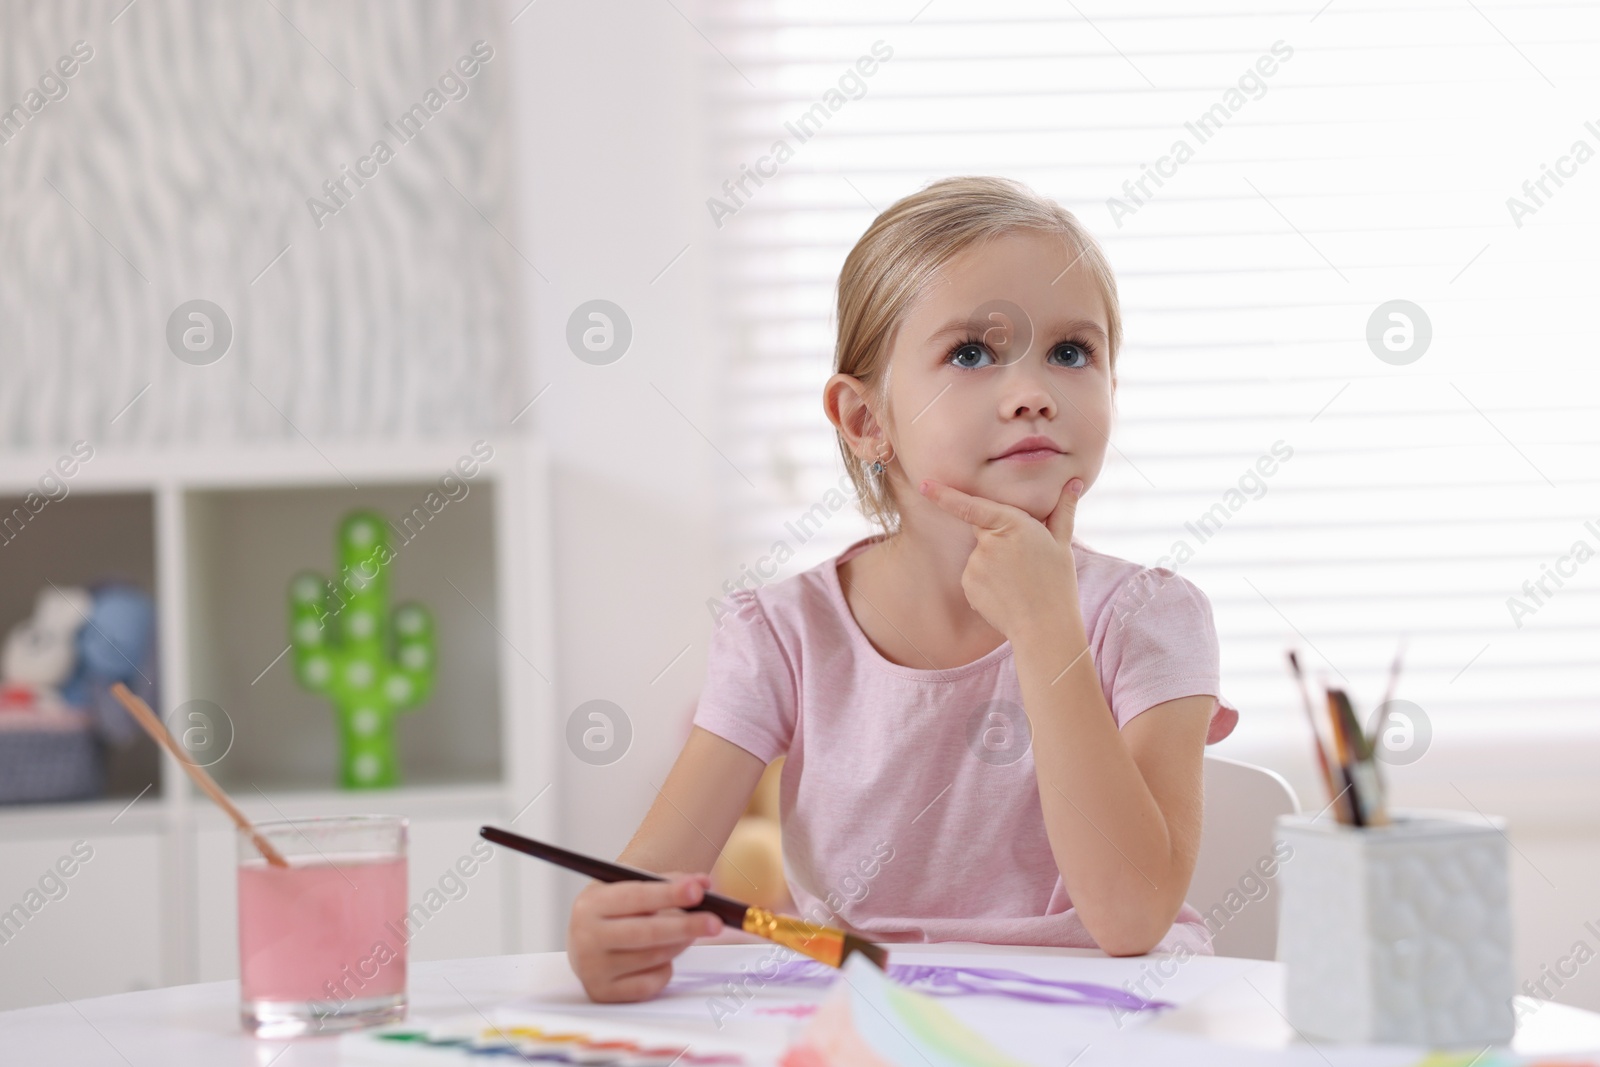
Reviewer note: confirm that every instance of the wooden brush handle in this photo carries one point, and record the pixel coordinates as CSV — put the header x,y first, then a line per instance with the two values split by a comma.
x,y
730,911
158,731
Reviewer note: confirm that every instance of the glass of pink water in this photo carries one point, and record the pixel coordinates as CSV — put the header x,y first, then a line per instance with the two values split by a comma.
x,y
322,942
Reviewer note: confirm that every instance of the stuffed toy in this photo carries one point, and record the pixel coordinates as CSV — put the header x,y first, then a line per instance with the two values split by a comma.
x,y
48,749
117,645
40,652
750,868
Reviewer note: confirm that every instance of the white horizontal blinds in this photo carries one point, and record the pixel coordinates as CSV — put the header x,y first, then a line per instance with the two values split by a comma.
x,y
1373,164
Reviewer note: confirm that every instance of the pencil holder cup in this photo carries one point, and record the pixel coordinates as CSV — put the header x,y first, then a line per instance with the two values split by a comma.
x,y
1398,933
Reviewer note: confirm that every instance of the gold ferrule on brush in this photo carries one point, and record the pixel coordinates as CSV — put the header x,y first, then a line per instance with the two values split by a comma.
x,y
822,943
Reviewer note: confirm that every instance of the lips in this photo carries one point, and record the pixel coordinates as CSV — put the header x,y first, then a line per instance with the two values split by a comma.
x,y
1035,447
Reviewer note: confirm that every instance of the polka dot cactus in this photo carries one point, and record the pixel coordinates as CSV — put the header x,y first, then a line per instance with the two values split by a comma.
x,y
344,649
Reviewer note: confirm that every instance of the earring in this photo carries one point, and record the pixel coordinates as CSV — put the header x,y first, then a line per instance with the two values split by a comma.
x,y
876,467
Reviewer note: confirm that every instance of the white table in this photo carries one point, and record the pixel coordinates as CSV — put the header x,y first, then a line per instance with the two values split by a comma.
x,y
199,1024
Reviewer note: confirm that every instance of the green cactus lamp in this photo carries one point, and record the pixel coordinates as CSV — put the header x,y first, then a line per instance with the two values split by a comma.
x,y
344,649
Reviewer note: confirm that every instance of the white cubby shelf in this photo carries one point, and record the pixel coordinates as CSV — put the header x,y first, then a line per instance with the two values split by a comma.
x,y
215,533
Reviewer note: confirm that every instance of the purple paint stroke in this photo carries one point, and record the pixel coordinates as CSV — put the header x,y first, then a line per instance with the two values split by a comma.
x,y
939,981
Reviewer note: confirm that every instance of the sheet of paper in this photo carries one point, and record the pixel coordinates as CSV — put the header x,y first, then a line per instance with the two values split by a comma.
x,y
1224,1013
742,1002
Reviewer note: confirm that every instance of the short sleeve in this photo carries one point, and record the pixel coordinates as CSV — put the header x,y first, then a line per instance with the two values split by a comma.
x,y
1161,644
749,693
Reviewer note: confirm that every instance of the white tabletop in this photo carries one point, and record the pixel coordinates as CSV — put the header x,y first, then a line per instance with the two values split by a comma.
x,y
199,1024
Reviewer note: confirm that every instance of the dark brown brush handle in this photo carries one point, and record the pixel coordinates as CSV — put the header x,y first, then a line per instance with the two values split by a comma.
x,y
728,910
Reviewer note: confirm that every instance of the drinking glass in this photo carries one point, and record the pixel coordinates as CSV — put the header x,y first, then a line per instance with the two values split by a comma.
x,y
322,942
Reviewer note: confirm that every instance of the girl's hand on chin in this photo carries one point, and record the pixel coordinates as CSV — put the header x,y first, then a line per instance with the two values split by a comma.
x,y
1021,574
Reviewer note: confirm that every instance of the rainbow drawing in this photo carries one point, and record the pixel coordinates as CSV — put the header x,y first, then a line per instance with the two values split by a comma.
x,y
868,1020
1503,1058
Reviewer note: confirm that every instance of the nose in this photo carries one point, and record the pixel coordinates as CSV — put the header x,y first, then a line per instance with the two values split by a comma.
x,y
1026,392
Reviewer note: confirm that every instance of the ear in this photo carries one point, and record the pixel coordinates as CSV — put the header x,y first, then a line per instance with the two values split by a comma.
x,y
845,400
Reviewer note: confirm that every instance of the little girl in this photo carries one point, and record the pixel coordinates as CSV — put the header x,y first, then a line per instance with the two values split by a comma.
x,y
962,698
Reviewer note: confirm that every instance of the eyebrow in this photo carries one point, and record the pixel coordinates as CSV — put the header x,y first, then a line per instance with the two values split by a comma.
x,y
977,326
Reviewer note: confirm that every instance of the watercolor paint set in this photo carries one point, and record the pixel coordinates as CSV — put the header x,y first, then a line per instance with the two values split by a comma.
x,y
545,1037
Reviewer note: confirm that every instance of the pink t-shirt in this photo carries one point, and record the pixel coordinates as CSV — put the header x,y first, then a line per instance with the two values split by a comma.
x,y
908,802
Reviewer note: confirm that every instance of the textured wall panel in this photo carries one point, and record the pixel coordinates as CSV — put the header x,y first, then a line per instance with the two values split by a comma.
x,y
176,162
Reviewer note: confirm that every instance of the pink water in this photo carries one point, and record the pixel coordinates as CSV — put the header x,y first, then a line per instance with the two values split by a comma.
x,y
320,931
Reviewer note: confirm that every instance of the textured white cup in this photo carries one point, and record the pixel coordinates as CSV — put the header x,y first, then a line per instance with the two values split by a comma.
x,y
1398,933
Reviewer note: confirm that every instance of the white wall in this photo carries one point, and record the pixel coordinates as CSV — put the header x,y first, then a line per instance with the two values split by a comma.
x,y
606,115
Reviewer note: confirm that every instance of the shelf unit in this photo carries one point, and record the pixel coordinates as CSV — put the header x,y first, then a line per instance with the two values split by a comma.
x,y
215,533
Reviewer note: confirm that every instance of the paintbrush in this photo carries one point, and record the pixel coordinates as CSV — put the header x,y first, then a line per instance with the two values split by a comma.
x,y
1388,693
1342,755
1316,738
1376,741
158,732
1360,762
1354,738
822,943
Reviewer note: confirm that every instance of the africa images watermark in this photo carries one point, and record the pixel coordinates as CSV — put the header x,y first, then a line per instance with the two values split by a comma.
x,y
1252,485
52,486
1203,128
1566,166
737,992
452,885
851,84
453,85
53,87
1253,887
453,486
804,528
51,887
1566,968
1566,566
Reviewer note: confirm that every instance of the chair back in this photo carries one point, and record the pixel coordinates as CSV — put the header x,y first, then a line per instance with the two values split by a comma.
x,y
1234,885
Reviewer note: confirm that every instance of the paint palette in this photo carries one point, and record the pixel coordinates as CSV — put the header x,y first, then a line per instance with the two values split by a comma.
x,y
544,1037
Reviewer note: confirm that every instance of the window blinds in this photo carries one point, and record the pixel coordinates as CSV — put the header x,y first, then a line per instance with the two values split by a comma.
x,y
1339,158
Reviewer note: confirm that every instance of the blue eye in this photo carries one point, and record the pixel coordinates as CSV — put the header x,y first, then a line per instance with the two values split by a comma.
x,y
967,349
1081,350
969,353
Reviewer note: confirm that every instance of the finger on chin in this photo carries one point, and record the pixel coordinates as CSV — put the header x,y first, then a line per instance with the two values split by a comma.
x,y
945,498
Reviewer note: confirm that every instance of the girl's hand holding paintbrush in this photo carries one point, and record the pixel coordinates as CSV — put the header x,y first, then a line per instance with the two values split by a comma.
x,y
625,931
623,936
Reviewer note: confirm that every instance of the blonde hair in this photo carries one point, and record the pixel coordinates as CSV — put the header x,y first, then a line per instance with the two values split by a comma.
x,y
903,250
